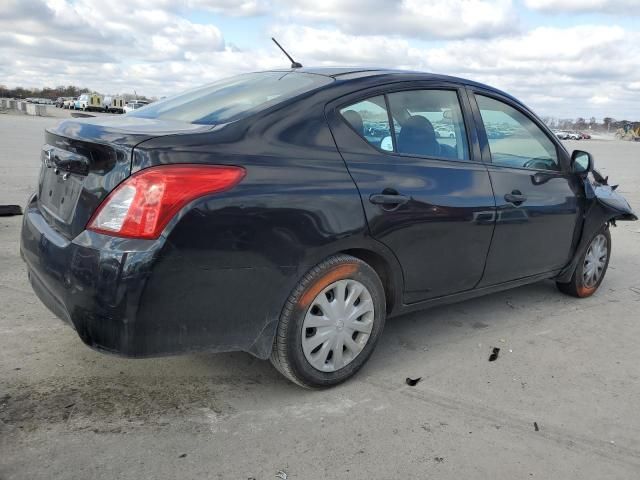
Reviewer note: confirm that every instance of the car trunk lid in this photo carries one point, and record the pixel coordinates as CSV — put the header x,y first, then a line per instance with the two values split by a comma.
x,y
85,159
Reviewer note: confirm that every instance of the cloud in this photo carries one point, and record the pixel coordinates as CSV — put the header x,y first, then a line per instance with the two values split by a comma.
x,y
148,45
623,7
236,8
159,48
332,47
530,66
443,19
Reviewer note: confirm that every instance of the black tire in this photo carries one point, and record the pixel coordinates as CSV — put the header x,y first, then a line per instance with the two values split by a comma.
x,y
288,356
576,287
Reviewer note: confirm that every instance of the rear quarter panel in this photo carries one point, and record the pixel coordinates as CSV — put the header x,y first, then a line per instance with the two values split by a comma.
x,y
231,260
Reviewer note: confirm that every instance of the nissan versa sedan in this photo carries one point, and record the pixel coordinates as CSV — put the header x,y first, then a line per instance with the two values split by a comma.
x,y
260,214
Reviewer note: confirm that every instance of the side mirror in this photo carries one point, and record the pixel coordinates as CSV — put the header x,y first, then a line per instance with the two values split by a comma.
x,y
581,162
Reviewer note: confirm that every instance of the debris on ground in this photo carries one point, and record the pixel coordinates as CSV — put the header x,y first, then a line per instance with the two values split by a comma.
x,y
10,210
182,455
412,382
439,459
535,426
494,354
281,474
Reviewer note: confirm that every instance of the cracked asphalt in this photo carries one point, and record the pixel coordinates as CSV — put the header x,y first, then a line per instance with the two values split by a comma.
x,y
572,366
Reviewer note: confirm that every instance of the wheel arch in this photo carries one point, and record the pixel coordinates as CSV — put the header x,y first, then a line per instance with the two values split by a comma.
x,y
384,271
595,218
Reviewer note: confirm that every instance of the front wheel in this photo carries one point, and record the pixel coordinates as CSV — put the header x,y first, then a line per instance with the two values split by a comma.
x,y
591,267
330,323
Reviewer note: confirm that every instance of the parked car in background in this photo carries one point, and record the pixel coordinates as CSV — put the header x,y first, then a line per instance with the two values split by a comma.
x,y
567,135
256,214
134,105
81,102
494,133
69,103
560,134
40,101
444,131
89,101
62,101
114,104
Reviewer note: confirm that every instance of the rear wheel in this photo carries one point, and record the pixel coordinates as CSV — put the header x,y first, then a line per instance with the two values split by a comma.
x,y
591,268
330,323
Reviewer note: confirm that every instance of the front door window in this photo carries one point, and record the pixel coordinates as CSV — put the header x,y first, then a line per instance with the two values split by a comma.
x,y
514,139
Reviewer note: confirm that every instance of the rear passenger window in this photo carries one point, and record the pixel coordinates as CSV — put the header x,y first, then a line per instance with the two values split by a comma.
x,y
429,123
370,120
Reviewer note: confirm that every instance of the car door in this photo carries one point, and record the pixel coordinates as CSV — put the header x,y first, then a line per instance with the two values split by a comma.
x,y
537,207
425,196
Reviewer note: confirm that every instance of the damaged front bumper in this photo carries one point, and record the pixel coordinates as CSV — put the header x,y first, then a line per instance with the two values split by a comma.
x,y
603,205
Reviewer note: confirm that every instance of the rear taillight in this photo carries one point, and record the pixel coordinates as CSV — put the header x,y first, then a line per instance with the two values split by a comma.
x,y
142,205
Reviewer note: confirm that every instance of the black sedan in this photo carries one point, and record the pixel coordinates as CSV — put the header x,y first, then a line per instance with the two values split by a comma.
x,y
258,214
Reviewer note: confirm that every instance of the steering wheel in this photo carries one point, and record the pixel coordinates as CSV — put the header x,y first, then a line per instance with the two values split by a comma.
x,y
542,163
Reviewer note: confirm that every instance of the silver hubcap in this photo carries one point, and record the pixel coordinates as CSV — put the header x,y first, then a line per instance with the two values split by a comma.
x,y
337,325
594,261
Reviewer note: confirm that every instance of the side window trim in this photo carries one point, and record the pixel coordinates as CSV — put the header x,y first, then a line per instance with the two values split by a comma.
x,y
392,127
468,116
478,126
482,131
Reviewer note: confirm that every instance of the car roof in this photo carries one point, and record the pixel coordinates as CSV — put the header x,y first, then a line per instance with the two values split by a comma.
x,y
346,74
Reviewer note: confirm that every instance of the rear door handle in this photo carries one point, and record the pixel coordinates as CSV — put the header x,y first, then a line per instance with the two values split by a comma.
x,y
516,197
388,199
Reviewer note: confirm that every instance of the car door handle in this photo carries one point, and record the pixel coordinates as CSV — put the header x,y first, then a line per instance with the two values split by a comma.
x,y
516,197
388,199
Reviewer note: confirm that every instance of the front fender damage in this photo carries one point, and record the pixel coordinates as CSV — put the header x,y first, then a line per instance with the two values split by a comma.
x,y
604,205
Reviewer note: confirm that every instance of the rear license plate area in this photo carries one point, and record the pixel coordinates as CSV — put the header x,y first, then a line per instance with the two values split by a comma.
x,y
59,193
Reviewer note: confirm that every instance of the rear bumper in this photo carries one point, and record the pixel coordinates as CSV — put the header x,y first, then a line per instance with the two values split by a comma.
x,y
143,298
93,282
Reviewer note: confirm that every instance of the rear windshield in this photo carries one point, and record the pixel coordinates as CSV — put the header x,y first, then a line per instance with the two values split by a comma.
x,y
232,98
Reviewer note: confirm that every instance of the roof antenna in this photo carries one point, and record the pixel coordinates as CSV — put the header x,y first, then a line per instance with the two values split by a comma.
x,y
294,64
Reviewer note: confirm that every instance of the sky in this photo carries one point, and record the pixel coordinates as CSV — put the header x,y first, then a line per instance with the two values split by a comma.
x,y
563,58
